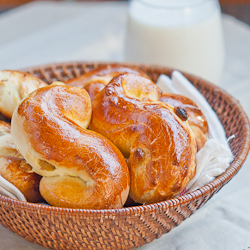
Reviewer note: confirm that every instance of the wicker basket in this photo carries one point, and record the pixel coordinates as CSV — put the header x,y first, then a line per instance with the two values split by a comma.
x,y
126,228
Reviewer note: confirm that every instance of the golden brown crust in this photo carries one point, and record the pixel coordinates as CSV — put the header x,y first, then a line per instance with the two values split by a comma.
x,y
14,86
161,148
196,118
15,169
81,168
95,86
94,81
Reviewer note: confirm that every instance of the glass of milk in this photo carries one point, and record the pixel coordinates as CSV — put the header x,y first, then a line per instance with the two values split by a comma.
x,y
181,34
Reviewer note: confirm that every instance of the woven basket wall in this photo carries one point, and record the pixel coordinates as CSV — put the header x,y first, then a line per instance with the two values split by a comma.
x,y
127,228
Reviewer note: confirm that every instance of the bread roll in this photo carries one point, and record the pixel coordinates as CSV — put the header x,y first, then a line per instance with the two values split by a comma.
x,y
160,146
80,168
15,169
14,86
94,81
7,147
196,118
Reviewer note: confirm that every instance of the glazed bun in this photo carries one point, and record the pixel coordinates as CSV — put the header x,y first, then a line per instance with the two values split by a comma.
x,y
94,81
159,144
15,169
196,118
14,86
80,168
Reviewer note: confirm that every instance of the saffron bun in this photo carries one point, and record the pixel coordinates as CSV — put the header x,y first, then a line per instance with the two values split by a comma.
x,y
160,145
15,169
196,118
14,86
95,80
80,168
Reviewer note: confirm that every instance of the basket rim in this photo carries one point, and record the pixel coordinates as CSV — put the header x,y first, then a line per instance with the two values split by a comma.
x,y
212,186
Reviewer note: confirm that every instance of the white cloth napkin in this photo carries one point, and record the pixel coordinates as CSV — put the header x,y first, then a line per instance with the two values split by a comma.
x,y
215,157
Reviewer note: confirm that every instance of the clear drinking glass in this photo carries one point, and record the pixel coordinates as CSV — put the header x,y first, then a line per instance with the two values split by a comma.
x,y
181,34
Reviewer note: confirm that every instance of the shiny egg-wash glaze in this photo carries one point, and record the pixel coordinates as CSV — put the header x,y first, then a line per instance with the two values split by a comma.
x,y
196,118
160,146
95,80
80,168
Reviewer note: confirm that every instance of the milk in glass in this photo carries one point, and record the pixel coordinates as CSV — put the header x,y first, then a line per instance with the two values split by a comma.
x,y
181,34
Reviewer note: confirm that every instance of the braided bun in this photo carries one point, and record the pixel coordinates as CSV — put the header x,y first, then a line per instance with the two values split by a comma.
x,y
80,168
160,146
